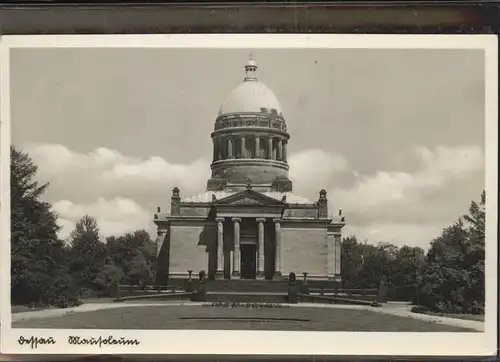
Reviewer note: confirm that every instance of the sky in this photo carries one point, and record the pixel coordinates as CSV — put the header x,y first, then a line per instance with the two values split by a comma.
x,y
396,137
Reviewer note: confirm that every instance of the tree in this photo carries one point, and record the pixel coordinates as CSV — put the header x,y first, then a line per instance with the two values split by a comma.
x,y
135,254
38,269
352,261
453,279
88,253
110,276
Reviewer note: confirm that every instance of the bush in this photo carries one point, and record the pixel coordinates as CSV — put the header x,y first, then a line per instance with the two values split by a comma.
x,y
86,293
419,309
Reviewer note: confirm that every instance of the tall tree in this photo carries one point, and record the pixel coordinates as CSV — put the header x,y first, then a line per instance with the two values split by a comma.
x,y
38,266
454,275
352,262
88,252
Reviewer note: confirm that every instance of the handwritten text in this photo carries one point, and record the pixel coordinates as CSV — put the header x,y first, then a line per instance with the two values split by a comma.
x,y
103,341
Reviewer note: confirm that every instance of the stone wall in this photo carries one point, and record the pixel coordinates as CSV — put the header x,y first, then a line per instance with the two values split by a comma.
x,y
334,255
304,250
192,247
299,212
194,211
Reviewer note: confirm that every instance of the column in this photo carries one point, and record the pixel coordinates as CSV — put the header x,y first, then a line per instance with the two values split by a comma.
x,y
280,150
215,149
243,147
236,250
260,259
277,251
257,147
219,149
270,148
229,148
285,143
220,248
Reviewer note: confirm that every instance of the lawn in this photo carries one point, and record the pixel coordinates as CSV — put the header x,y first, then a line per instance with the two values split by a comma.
x,y
200,317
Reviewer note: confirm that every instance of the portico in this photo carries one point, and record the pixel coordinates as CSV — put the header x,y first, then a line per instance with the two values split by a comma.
x,y
251,265
260,218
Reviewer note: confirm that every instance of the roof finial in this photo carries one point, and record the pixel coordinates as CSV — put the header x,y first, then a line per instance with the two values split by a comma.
x,y
250,69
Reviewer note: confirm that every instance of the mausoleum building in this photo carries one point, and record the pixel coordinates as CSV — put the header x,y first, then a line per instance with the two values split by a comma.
x,y
249,224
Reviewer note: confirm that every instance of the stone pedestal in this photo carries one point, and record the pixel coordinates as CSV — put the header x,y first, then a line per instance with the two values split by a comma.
x,y
305,285
293,297
189,282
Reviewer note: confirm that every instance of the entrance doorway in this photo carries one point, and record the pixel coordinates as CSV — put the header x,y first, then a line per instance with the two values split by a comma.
x,y
248,261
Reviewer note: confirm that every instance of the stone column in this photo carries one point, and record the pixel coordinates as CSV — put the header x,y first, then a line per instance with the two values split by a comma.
x,y
215,149
280,150
285,144
243,147
220,248
229,148
270,148
260,248
219,150
257,147
277,255
236,251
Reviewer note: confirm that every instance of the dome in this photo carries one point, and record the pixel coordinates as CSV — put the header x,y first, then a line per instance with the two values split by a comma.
x,y
250,95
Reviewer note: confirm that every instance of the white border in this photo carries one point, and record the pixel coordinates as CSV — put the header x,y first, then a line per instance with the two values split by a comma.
x,y
265,342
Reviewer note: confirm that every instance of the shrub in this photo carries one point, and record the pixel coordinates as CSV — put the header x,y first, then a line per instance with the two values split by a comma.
x,y
419,309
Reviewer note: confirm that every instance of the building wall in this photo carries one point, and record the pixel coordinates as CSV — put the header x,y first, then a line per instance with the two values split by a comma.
x,y
192,247
304,250
258,172
194,211
298,212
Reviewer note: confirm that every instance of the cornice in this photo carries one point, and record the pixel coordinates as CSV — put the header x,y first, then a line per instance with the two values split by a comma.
x,y
249,131
249,162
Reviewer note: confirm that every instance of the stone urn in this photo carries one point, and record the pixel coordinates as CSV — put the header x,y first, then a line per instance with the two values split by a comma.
x,y
292,289
189,282
305,284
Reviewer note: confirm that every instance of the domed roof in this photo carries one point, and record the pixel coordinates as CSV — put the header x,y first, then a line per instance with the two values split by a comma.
x,y
250,95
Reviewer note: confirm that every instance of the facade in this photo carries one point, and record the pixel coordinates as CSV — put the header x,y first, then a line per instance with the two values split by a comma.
x,y
249,224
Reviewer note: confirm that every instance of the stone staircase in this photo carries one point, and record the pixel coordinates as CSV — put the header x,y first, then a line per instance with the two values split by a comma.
x,y
247,286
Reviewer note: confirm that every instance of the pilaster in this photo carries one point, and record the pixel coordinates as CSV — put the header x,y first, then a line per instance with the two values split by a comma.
x,y
219,274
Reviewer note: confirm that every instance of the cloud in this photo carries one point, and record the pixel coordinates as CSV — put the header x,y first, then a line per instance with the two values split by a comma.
x,y
377,193
115,217
108,173
410,204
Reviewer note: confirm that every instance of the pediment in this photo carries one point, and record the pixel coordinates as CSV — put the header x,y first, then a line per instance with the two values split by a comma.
x,y
247,201
250,198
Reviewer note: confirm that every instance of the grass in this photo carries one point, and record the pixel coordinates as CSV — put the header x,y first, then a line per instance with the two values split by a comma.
x,y
200,317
